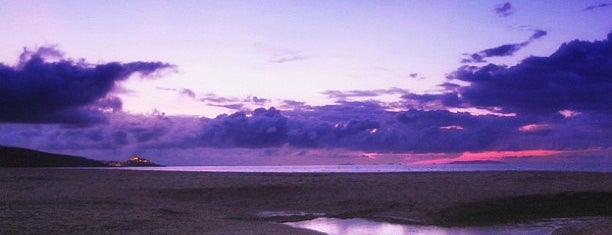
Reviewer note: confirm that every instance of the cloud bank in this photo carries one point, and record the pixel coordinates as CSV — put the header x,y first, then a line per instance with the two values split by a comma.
x,y
558,103
578,76
62,91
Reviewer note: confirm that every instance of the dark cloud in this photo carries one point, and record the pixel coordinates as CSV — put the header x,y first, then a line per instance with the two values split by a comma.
x,y
120,138
233,103
335,94
187,92
346,126
504,10
294,105
183,91
357,126
344,95
263,128
538,33
342,111
218,99
413,130
431,101
147,134
576,77
259,100
97,138
64,91
596,6
227,106
503,50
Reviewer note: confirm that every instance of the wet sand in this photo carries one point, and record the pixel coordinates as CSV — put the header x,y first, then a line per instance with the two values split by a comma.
x,y
115,201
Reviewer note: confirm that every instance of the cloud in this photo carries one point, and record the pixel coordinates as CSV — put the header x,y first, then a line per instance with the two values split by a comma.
x,y
561,104
503,50
344,95
504,10
538,33
596,6
431,101
236,106
356,126
63,91
259,100
294,56
187,92
294,105
280,55
575,77
183,91
210,97
109,104
263,128
469,157
234,103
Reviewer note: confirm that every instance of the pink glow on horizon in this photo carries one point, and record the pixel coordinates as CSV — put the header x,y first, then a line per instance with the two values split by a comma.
x,y
372,155
492,156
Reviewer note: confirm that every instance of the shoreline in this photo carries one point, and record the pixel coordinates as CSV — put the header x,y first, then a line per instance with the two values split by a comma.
x,y
368,168
42,200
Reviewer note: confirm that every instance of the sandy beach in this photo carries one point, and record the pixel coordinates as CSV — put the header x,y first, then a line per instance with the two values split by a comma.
x,y
116,201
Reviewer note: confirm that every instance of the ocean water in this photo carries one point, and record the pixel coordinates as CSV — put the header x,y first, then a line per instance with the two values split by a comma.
x,y
333,226
584,167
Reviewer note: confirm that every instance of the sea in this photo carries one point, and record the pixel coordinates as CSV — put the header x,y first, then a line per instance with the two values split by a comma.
x,y
579,167
356,226
334,226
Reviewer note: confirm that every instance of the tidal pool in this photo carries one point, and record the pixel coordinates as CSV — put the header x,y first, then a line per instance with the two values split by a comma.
x,y
334,226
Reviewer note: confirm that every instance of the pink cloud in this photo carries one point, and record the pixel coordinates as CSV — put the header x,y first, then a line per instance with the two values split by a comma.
x,y
492,156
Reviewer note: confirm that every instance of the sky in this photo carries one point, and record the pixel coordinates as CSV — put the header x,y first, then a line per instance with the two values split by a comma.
x,y
309,82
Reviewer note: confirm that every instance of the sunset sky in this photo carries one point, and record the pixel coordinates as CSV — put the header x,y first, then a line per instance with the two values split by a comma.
x,y
309,82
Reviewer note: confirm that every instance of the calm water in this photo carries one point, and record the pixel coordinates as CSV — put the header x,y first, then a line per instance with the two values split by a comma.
x,y
333,226
386,168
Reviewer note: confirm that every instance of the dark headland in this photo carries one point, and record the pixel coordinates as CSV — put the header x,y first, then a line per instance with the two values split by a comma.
x,y
21,157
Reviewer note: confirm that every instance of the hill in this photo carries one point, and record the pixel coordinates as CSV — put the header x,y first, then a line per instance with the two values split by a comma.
x,y
20,157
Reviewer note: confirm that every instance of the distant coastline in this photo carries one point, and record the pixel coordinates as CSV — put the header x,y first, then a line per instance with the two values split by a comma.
x,y
22,157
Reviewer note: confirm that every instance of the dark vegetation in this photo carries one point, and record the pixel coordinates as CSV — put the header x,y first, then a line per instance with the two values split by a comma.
x,y
527,208
19,157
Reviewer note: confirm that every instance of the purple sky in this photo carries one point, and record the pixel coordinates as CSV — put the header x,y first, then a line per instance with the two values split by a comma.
x,y
309,82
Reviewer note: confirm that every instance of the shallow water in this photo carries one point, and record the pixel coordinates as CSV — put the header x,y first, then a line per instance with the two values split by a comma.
x,y
333,226
383,168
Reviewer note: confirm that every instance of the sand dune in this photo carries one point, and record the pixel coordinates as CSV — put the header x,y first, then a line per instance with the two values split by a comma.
x,y
118,201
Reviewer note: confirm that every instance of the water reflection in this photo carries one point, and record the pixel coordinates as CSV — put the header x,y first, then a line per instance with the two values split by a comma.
x,y
335,226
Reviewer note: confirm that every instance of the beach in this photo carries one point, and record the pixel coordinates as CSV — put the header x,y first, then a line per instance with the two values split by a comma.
x,y
47,200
